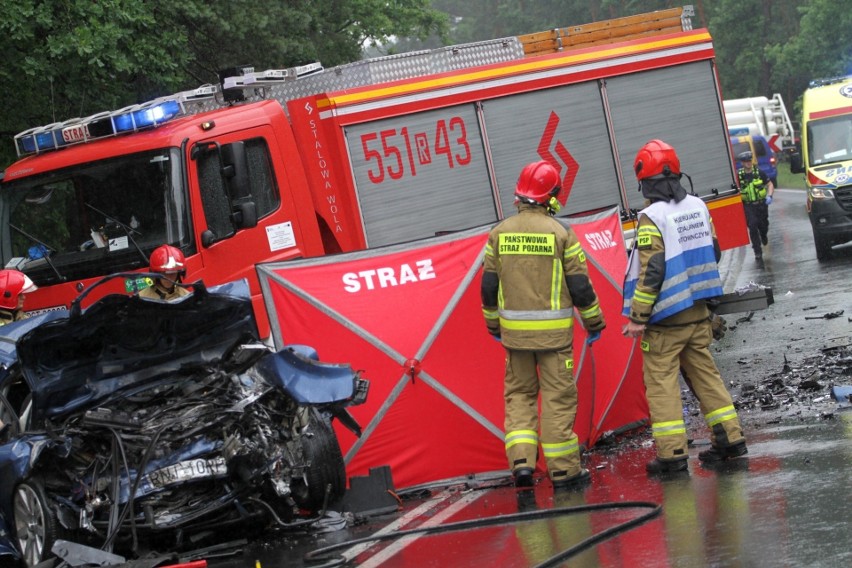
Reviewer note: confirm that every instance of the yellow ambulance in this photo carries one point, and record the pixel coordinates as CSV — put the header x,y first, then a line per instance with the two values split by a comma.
x,y
826,160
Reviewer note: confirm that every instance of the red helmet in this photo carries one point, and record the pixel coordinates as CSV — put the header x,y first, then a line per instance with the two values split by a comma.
x,y
13,283
167,259
538,182
655,158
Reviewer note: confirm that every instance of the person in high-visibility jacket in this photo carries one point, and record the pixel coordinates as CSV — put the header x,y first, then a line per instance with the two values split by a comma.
x,y
672,272
534,274
756,190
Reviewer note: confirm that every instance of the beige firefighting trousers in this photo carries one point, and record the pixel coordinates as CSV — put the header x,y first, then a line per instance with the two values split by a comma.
x,y
666,351
550,373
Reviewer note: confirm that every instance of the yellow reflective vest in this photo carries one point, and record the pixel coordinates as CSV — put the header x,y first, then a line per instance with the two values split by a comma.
x,y
752,185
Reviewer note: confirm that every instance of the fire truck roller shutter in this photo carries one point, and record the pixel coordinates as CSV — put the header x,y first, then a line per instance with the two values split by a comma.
x,y
420,174
563,125
679,105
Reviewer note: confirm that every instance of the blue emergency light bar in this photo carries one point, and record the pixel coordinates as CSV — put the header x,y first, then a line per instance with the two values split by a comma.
x,y
77,130
146,115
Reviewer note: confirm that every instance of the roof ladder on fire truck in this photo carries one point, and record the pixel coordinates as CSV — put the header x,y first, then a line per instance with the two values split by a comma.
x,y
250,79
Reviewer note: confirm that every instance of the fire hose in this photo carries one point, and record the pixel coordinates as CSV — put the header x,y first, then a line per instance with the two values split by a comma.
x,y
653,510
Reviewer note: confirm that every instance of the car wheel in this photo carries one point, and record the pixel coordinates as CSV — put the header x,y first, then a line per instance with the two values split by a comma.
x,y
325,466
823,247
35,522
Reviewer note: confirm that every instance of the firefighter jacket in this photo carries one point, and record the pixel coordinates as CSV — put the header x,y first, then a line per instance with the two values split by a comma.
x,y
752,184
672,265
534,274
7,316
158,292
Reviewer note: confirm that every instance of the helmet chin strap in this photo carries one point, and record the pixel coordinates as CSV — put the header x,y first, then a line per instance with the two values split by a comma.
x,y
691,187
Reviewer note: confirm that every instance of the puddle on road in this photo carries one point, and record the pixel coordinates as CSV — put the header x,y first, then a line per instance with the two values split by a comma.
x,y
783,505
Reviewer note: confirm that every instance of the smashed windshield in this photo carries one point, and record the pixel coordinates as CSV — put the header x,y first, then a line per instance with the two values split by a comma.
x,y
93,219
830,140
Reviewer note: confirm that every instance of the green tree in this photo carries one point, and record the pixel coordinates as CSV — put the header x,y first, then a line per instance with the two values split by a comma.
x,y
821,48
67,58
744,34
275,34
62,58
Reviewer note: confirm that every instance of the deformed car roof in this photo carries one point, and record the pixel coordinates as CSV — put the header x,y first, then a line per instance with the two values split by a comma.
x,y
125,342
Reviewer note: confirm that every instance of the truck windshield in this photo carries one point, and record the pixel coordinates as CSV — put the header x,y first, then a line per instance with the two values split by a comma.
x,y
830,140
93,219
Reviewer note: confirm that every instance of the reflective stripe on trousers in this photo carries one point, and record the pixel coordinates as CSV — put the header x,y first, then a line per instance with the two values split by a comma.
x,y
671,428
722,415
521,437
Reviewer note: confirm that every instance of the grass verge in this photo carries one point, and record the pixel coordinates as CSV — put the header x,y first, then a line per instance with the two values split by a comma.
x,y
786,180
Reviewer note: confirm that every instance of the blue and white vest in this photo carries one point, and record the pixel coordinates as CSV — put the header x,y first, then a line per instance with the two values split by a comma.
x,y
691,270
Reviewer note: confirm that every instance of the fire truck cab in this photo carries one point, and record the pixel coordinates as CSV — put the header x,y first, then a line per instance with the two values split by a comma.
x,y
101,207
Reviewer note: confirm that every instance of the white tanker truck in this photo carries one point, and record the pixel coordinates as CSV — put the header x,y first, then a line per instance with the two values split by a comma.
x,y
762,116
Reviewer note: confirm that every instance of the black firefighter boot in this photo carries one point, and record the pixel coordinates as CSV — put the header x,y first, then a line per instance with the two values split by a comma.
x,y
723,453
523,477
659,466
561,479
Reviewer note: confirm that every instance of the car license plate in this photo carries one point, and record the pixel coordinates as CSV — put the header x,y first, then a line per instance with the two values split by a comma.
x,y
189,470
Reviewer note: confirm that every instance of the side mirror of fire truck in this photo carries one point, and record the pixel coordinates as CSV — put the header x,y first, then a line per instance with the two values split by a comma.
x,y
235,173
796,165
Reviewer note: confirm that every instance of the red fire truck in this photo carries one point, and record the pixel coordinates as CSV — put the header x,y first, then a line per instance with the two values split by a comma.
x,y
306,161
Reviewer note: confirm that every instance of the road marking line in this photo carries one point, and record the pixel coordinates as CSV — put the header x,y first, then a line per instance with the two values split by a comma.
x,y
397,546
399,523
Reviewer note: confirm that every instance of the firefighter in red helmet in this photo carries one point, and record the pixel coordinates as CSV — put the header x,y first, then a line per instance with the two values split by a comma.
x,y
168,261
672,272
534,275
14,285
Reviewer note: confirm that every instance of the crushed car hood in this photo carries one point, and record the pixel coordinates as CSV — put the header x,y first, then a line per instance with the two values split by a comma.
x,y
123,343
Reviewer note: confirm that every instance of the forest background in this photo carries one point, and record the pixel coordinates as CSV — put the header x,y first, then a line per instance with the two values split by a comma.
x,y
69,58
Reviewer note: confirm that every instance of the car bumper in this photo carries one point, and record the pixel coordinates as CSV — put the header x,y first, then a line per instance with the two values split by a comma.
x,y
830,220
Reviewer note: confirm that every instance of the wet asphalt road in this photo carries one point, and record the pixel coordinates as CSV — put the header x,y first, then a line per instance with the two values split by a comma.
x,y
786,504
795,329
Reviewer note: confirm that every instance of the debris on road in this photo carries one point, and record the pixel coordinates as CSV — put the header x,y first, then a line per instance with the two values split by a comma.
x,y
746,318
799,385
828,316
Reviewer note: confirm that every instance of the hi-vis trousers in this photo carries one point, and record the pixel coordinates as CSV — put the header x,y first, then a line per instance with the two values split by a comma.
x,y
666,350
550,373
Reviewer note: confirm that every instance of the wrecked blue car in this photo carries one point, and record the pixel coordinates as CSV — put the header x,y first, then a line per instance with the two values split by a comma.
x,y
136,424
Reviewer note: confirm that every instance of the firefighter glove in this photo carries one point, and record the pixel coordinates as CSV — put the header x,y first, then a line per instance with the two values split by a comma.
x,y
592,337
494,330
719,326
768,199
